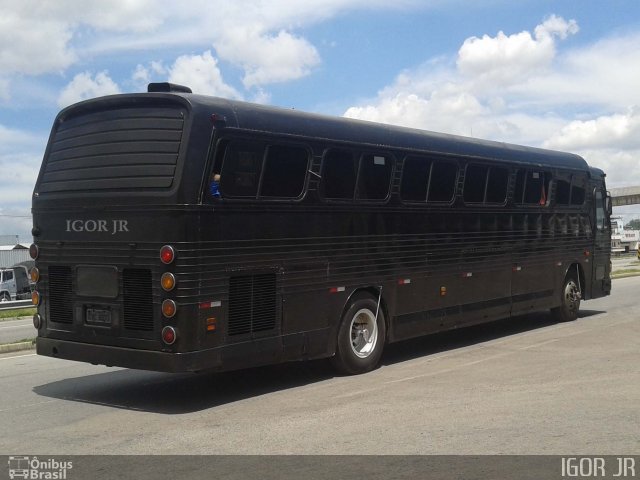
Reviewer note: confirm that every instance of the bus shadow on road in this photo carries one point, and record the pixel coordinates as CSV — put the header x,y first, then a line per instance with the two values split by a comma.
x,y
463,337
174,394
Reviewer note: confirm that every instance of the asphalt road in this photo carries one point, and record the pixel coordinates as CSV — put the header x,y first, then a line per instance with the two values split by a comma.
x,y
521,386
16,329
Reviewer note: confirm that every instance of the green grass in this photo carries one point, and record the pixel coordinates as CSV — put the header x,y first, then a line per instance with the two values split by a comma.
x,y
627,272
20,312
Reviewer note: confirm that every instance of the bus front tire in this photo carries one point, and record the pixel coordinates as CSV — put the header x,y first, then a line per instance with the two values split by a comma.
x,y
570,301
361,337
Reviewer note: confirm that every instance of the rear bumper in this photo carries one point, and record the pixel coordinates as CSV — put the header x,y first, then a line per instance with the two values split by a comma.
x,y
229,357
129,357
251,353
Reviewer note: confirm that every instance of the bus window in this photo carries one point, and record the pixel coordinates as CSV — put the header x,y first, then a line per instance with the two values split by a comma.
x,y
577,195
563,192
285,171
600,216
475,182
415,178
532,187
338,174
442,184
241,169
484,184
374,178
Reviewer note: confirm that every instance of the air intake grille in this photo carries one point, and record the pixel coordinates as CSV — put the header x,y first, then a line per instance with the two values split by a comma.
x,y
123,149
252,303
60,293
138,307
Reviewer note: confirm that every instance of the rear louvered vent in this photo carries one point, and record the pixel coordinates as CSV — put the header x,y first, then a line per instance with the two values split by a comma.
x,y
123,149
138,307
60,292
252,304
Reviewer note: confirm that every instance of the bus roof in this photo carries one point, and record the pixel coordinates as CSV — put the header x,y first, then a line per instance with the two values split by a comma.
x,y
293,122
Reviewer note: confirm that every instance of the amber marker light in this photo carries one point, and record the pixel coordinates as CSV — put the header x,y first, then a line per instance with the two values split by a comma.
x,y
168,281
167,254
35,298
34,274
34,251
169,308
169,335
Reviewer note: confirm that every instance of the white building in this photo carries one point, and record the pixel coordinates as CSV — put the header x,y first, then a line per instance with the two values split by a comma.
x,y
623,241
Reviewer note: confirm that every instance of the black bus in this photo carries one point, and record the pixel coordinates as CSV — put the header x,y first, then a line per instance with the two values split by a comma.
x,y
179,232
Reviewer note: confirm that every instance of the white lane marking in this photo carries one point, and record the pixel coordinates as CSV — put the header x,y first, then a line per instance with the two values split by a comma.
x,y
19,356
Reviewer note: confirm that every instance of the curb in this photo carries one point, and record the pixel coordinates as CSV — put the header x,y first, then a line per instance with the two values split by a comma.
x,y
16,347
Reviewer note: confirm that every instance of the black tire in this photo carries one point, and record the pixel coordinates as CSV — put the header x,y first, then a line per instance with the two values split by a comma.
x,y
359,346
570,301
4,297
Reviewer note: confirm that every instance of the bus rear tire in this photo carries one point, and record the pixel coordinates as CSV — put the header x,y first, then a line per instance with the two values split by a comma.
x,y
570,301
361,337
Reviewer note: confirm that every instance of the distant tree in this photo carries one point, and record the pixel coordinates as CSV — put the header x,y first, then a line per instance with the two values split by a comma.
x,y
633,224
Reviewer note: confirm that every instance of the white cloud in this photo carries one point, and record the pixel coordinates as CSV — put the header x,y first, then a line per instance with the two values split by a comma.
x,y
267,58
621,130
33,51
83,86
522,88
201,74
510,58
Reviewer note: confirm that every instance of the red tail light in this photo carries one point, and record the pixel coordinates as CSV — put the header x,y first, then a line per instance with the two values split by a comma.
x,y
169,335
167,254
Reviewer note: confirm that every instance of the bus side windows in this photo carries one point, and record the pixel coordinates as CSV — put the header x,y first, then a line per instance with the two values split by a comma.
x,y
428,180
577,195
563,192
374,179
241,169
285,171
569,193
532,187
415,179
339,169
442,185
485,184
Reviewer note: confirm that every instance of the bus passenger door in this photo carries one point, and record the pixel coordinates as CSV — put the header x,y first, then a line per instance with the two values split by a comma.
x,y
601,258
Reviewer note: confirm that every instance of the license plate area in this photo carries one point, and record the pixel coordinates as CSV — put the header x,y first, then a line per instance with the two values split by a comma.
x,y
98,317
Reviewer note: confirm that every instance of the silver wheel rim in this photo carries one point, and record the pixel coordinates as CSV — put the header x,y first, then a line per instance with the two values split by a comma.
x,y
364,333
572,296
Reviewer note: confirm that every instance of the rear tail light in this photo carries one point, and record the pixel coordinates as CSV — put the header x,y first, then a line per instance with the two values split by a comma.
x,y
169,335
168,281
34,251
169,308
34,274
167,254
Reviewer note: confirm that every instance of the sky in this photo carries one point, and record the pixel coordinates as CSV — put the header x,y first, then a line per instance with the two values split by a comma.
x,y
561,74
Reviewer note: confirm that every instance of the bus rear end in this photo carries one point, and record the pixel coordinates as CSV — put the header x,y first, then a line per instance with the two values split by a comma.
x,y
109,214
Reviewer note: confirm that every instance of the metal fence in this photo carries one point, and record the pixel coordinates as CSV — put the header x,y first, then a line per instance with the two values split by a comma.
x,y
16,305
